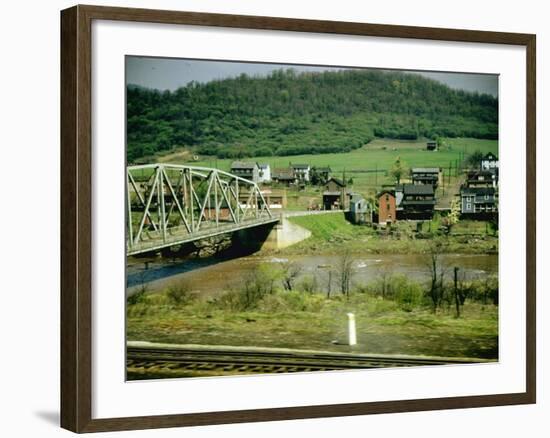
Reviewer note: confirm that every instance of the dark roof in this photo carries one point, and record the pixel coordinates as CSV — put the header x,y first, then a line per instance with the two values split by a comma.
x,y
388,191
243,165
283,173
425,170
476,173
477,191
263,166
336,180
490,156
300,166
323,169
418,189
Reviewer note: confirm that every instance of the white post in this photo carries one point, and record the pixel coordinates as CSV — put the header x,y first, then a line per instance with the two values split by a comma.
x,y
352,335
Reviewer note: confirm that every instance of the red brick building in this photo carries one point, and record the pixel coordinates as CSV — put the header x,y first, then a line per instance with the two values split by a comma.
x,y
386,207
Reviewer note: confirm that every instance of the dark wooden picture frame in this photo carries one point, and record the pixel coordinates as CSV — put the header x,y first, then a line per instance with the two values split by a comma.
x,y
76,218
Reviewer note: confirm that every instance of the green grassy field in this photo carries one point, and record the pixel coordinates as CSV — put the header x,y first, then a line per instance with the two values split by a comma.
x,y
380,154
311,321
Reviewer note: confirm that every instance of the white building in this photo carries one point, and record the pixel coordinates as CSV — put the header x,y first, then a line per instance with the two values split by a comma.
x,y
264,174
489,161
301,171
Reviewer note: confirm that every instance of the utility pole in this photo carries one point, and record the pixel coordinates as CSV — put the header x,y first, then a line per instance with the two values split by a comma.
x,y
457,302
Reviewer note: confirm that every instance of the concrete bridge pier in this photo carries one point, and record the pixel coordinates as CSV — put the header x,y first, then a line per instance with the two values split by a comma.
x,y
271,236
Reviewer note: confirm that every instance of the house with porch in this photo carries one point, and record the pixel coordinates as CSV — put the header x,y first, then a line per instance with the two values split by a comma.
x,y
425,175
417,201
301,171
478,201
245,169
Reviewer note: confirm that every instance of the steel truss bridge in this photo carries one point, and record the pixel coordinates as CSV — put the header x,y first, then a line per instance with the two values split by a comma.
x,y
169,205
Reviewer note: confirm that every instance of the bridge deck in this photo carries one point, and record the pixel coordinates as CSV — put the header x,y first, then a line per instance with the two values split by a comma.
x,y
153,240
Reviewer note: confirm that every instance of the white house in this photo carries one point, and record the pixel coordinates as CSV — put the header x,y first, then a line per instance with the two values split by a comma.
x,y
489,161
301,171
264,174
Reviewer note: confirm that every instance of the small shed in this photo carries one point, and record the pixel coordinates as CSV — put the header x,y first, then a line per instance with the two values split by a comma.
x,y
431,145
334,196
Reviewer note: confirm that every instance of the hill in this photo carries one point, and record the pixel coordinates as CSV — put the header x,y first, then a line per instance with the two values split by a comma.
x,y
290,113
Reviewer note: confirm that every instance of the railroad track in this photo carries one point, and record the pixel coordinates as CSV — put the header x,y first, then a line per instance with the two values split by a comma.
x,y
216,361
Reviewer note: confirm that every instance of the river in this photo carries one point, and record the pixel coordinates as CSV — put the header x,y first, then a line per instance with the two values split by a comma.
x,y
209,276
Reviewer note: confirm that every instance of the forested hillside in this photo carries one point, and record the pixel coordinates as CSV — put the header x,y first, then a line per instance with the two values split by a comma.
x,y
290,113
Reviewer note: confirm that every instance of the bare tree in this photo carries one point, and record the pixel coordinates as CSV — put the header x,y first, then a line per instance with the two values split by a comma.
x,y
384,281
290,271
345,271
437,272
329,282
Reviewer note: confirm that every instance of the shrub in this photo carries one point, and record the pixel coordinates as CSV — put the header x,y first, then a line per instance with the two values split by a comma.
x,y
254,286
137,297
409,295
309,284
179,294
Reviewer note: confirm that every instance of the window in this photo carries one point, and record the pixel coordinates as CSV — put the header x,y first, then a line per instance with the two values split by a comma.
x,y
468,206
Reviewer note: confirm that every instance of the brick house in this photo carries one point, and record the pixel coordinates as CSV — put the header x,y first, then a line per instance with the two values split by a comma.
x,y
386,207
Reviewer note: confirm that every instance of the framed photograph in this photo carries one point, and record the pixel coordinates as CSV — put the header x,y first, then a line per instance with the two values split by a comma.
x,y
269,218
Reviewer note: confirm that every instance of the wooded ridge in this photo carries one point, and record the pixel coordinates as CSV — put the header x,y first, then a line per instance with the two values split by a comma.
x,y
291,113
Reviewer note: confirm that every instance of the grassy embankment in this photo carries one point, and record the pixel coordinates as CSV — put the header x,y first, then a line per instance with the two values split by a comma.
x,y
332,233
402,324
260,312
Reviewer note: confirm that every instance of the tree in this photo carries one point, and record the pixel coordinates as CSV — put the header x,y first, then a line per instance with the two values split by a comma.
x,y
453,217
345,272
436,271
474,160
291,113
289,272
398,170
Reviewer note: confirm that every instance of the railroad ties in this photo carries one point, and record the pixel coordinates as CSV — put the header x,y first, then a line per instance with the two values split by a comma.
x,y
154,362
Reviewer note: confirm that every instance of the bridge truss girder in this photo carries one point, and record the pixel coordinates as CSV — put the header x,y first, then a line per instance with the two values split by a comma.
x,y
186,200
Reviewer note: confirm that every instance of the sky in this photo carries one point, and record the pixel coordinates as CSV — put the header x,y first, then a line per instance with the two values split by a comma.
x,y
171,73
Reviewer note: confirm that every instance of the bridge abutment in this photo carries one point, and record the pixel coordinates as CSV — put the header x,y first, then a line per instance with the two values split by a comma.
x,y
271,236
